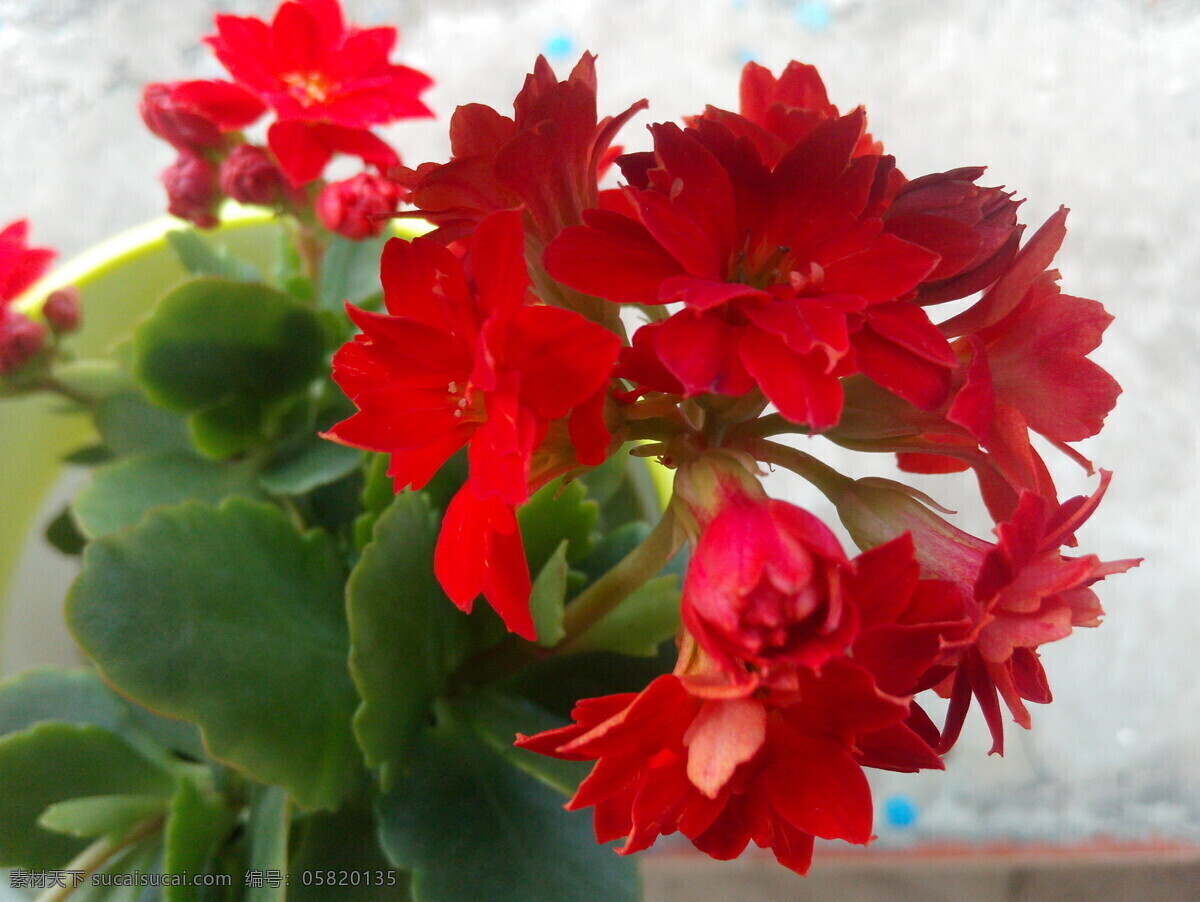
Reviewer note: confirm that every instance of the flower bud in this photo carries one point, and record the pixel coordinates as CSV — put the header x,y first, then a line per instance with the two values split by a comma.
x,y
765,589
173,121
21,339
358,207
250,176
62,310
192,189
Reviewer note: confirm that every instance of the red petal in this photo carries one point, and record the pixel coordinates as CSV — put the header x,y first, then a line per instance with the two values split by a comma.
x,y
817,787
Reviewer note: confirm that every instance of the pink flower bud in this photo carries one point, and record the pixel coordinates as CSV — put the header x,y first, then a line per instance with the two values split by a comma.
x,y
250,176
184,127
358,207
21,339
62,310
192,189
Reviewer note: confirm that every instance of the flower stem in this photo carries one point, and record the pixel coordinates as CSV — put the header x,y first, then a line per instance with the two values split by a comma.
x,y
627,576
772,424
824,477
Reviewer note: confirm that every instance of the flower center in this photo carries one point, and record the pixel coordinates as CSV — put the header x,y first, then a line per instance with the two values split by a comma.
x,y
466,402
310,88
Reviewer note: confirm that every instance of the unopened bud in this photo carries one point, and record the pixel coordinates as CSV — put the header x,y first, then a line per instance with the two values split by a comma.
x,y
176,122
62,310
20,340
250,176
358,207
192,189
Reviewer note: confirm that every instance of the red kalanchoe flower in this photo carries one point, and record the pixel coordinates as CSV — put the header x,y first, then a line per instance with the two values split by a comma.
x,y
462,358
544,160
358,207
193,190
1022,591
974,230
788,279
326,82
20,264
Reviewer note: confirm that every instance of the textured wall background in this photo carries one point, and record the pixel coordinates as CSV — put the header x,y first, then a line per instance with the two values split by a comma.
x,y
1095,105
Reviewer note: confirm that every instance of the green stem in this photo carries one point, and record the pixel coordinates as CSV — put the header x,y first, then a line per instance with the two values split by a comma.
x,y
824,477
626,577
772,424
97,855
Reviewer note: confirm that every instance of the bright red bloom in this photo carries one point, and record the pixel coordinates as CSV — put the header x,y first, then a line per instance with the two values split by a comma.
x,y
1022,591
974,230
1022,366
20,264
788,279
462,358
544,160
326,82
686,755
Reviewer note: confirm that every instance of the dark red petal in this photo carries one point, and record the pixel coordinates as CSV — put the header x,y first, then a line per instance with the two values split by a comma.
x,y
703,352
885,271
800,385
817,787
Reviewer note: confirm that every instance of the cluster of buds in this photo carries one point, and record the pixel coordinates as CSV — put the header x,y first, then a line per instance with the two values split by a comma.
x,y
787,275
26,331
325,83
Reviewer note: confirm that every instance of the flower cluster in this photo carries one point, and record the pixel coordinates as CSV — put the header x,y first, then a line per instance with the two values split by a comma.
x,y
325,83
786,276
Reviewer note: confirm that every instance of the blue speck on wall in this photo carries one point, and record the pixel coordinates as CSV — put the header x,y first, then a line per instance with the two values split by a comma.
x,y
558,46
815,15
744,55
900,811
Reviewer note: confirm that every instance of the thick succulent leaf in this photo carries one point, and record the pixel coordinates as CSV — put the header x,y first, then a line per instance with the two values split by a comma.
x,y
121,493
462,818
338,856
405,635
641,623
230,619
547,596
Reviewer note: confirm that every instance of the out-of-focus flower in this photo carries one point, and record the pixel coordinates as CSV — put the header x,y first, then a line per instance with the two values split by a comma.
x,y
193,190
62,310
21,339
249,176
195,115
20,264
358,207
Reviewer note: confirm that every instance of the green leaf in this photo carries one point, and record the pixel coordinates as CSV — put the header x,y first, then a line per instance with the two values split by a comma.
x,y
129,424
123,492
553,514
547,597
613,547
463,819
54,762
201,258
63,535
377,495
405,635
111,816
315,463
213,340
130,863
344,846
81,697
230,619
197,821
268,840
638,625
498,718
349,271
88,455
233,426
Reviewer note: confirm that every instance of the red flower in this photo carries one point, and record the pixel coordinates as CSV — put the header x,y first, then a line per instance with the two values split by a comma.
x,y
460,361
194,115
788,279
327,83
544,160
765,587
683,755
1022,591
21,339
20,264
193,189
